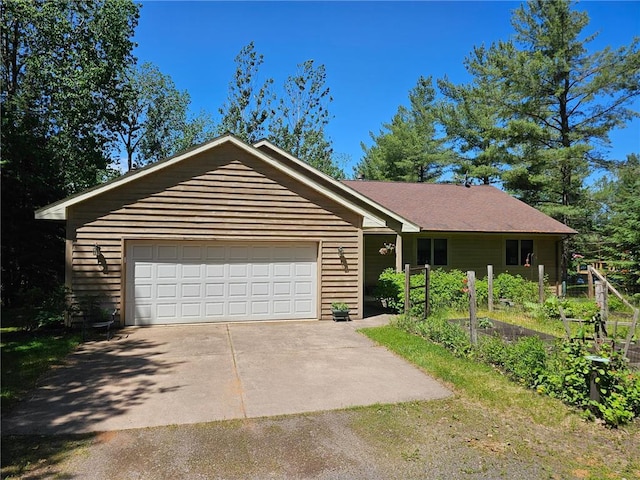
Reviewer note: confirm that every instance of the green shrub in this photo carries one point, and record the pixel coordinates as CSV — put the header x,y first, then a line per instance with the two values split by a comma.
x,y
439,330
447,291
390,289
526,360
492,350
44,308
562,372
515,288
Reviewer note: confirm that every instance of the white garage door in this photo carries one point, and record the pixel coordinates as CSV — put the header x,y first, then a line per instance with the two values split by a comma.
x,y
189,282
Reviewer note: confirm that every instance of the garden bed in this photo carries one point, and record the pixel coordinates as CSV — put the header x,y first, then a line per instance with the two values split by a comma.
x,y
506,331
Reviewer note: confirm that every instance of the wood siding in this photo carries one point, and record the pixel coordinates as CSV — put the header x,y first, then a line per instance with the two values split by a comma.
x,y
472,252
223,194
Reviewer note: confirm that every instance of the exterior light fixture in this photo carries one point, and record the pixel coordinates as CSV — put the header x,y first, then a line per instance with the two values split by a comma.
x,y
96,250
341,251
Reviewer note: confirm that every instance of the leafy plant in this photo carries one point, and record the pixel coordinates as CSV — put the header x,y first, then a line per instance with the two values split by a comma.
x,y
340,306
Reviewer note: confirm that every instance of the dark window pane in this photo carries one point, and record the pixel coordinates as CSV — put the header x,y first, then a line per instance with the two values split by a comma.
x,y
512,252
526,252
440,251
424,251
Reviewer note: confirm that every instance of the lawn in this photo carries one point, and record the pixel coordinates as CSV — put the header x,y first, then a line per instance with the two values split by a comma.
x,y
27,355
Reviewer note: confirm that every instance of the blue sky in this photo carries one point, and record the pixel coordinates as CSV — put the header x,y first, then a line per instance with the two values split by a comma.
x,y
373,52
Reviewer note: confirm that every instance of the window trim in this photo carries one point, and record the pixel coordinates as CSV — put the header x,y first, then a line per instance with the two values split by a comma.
x,y
521,260
432,241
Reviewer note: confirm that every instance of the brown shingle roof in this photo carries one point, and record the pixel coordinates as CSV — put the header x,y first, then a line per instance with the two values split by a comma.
x,y
454,208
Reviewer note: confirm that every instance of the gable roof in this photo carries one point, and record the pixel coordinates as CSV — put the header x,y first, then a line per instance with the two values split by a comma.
x,y
371,212
454,208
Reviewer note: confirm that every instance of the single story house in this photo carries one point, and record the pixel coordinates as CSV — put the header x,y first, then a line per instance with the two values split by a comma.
x,y
228,231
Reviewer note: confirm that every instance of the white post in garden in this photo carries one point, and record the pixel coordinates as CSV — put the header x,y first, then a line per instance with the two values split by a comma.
x,y
541,283
473,319
490,287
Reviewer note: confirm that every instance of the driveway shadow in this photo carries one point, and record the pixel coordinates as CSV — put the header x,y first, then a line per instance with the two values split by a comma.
x,y
99,381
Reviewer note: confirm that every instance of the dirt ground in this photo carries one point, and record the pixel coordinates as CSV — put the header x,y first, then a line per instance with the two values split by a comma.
x,y
444,439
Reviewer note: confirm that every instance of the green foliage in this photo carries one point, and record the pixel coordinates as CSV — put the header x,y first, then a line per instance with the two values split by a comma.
x,y
572,308
448,290
561,371
302,117
515,288
61,73
620,222
153,117
42,308
439,330
523,360
408,148
568,378
340,306
249,102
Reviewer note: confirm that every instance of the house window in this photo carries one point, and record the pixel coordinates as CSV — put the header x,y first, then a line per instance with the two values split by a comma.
x,y
518,252
432,251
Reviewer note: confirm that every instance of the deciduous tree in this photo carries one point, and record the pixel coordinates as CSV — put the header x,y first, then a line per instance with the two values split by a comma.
x,y
61,63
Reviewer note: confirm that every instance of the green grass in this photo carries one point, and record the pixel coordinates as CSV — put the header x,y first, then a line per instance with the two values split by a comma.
x,y
26,356
479,382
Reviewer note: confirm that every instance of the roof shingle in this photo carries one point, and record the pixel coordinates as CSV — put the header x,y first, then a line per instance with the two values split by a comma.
x,y
454,208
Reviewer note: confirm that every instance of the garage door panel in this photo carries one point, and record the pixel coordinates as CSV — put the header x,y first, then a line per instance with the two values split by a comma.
x,y
167,291
167,270
166,310
167,252
190,290
259,289
303,306
214,271
215,290
191,310
214,309
191,282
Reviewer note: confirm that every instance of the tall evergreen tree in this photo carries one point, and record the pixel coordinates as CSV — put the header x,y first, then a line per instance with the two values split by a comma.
x,y
471,123
620,224
408,148
556,103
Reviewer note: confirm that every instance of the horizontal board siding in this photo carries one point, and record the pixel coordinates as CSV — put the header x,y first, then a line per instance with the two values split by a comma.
x,y
466,252
227,197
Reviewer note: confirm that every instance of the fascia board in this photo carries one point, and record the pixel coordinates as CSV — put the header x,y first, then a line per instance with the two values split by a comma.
x,y
58,211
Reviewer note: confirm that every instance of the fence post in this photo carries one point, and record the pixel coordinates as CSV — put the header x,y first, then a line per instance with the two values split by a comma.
x,y
473,320
427,280
589,282
540,283
601,300
407,289
490,287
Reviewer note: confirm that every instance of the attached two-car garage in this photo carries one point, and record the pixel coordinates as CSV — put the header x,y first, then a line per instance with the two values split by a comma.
x,y
191,281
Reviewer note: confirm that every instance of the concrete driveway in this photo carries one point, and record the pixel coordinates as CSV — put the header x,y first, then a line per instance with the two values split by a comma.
x,y
147,377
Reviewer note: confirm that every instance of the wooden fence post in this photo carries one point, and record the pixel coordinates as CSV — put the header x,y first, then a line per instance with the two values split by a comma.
x,y
540,283
407,288
427,280
473,320
490,287
589,283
